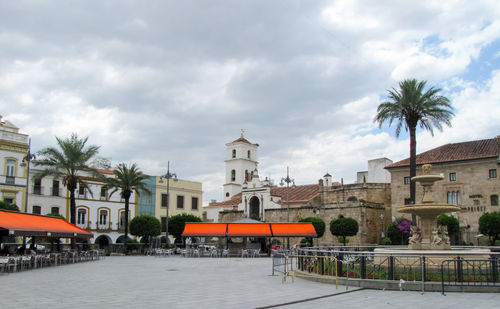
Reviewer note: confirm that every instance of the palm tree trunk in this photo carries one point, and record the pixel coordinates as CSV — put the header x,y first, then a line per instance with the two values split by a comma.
x,y
126,224
72,212
413,169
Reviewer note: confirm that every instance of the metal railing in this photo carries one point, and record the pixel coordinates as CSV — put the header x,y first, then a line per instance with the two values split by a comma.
x,y
470,272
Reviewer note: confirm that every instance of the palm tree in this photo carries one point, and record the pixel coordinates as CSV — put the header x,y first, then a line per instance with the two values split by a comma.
x,y
127,180
411,106
68,162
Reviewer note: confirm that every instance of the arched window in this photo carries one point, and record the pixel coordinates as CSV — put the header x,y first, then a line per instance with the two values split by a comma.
x,y
248,154
233,175
234,153
54,210
81,216
103,217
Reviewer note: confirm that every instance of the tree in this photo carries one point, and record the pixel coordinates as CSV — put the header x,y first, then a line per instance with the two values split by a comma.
x,y
145,226
8,206
68,162
127,180
411,106
177,223
489,225
399,231
451,224
319,226
344,227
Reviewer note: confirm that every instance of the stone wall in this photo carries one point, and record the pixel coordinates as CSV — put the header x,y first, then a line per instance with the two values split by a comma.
x,y
472,181
365,213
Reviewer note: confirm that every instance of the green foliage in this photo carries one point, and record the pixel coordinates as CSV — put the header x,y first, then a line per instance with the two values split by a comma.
x,y
386,241
176,223
343,239
8,206
398,231
145,226
55,215
318,223
344,227
68,161
450,222
305,242
489,224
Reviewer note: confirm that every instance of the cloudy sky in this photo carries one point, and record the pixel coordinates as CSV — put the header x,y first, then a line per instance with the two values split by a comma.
x,y
152,81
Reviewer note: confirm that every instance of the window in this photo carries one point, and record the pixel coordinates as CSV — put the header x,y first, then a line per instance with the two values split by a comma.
x,y
407,180
55,188
103,217
180,201
494,200
234,153
164,199
54,210
11,164
408,201
248,154
104,193
37,187
233,175
493,173
81,191
453,197
8,200
37,210
122,220
80,219
453,176
194,203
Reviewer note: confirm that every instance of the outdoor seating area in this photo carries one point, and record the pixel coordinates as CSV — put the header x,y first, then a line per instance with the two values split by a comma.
x,y
204,251
16,263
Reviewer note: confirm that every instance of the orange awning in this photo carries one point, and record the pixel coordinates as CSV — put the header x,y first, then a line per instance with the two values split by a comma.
x,y
293,229
205,229
248,229
23,224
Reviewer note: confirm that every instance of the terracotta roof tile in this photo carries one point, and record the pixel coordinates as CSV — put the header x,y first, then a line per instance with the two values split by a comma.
x,y
297,194
243,140
232,202
480,149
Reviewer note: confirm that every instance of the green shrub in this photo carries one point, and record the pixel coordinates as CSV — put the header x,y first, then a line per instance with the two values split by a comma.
x,y
386,241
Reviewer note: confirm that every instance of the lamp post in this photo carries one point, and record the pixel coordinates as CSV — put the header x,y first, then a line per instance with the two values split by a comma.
x,y
288,181
168,175
29,156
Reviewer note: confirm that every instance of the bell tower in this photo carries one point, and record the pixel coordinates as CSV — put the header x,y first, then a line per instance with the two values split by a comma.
x,y
241,161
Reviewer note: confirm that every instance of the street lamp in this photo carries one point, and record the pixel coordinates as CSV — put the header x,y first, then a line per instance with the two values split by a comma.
x,y
168,175
288,181
29,156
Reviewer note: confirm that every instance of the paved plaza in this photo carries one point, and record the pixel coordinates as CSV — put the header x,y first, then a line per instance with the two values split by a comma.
x,y
176,282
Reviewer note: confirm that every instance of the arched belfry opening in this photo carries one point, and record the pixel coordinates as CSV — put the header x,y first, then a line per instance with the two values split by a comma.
x,y
254,208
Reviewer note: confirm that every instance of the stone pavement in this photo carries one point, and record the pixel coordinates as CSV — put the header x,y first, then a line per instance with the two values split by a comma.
x,y
176,282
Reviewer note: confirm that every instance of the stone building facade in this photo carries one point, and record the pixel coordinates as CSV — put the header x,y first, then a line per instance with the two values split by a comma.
x,y
470,181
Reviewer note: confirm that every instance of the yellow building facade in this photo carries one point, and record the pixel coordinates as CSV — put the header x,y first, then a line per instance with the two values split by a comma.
x,y
185,197
13,149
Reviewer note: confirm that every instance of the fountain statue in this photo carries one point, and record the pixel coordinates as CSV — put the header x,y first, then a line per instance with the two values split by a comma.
x,y
428,235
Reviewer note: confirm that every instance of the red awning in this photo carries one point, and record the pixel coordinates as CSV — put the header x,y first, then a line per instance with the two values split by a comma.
x,y
248,229
293,229
23,224
205,229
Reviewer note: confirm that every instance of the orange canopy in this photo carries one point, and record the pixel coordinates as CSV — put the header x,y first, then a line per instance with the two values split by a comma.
x,y
23,224
293,229
250,229
205,229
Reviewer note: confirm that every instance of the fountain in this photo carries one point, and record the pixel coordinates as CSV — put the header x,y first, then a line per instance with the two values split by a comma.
x,y
428,236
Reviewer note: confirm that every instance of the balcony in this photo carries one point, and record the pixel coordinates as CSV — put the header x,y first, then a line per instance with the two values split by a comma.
x,y
10,180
